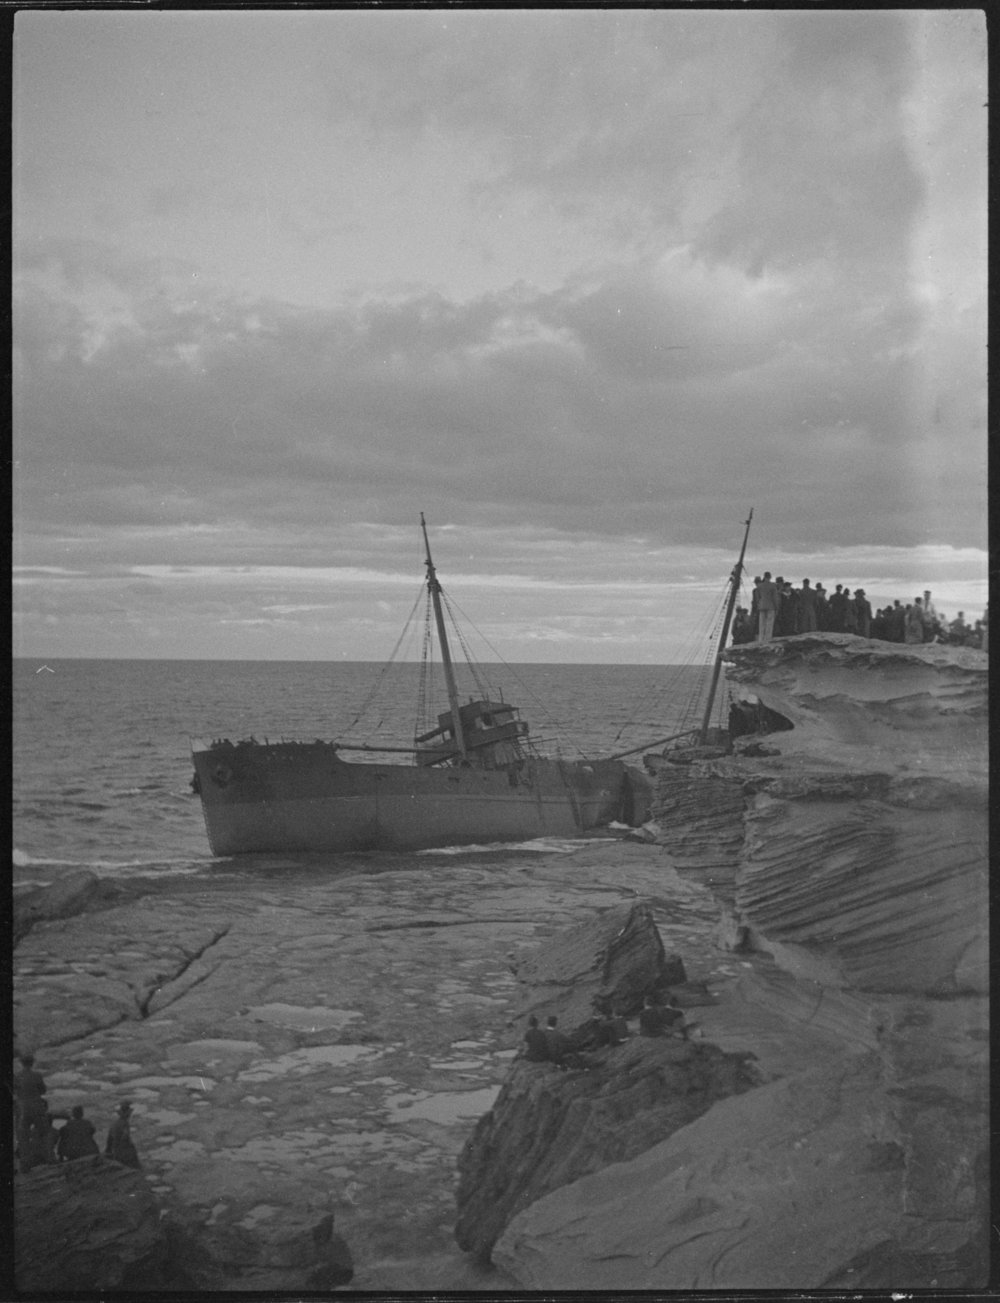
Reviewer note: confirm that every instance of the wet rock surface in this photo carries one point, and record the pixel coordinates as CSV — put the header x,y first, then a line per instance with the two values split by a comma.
x,y
299,1039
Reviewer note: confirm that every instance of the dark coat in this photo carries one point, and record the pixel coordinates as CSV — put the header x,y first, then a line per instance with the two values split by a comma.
x,y
76,1139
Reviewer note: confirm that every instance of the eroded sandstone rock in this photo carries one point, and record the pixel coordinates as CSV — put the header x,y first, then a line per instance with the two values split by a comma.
x,y
617,954
771,1188
849,856
281,1249
550,1127
87,1225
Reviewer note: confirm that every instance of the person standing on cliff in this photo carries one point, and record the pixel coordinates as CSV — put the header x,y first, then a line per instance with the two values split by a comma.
x,y
863,610
119,1144
767,606
822,609
32,1111
914,622
807,609
838,601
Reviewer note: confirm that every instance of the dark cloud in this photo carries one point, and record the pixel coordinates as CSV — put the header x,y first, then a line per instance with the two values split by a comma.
x,y
569,410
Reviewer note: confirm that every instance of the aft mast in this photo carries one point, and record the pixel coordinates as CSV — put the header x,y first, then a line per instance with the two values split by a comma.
x,y
717,669
434,588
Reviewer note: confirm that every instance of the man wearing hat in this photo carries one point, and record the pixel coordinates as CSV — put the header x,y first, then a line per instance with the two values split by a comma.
x,y
119,1145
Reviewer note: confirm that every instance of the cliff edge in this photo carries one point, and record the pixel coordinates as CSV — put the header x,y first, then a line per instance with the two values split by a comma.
x,y
848,852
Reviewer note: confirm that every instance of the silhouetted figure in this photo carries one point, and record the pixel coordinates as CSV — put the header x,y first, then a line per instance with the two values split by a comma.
x,y
536,1045
863,612
32,1114
766,593
560,1047
897,622
611,1030
119,1144
914,622
822,609
787,616
850,613
661,1019
76,1139
742,627
807,609
837,613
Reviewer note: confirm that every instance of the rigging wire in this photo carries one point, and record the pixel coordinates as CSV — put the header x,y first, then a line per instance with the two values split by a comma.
x,y
696,656
377,686
474,667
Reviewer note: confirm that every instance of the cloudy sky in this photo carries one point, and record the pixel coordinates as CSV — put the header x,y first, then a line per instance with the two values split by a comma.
x,y
584,286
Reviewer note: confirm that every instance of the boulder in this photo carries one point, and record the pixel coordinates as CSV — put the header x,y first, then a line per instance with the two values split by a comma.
x,y
549,1127
87,1225
776,1188
299,1239
616,955
796,1185
60,899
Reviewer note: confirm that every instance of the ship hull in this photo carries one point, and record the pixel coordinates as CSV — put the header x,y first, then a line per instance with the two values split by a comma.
x,y
303,797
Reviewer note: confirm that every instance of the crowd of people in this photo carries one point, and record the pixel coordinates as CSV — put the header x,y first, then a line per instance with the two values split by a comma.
x,y
778,610
659,1016
41,1141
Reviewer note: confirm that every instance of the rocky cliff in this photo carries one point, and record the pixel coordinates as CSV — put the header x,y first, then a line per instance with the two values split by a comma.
x,y
849,856
551,1125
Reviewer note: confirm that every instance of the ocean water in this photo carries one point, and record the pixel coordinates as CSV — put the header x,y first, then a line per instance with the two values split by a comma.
x,y
101,748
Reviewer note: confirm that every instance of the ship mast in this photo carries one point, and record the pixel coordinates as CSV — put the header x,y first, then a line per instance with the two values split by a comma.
x,y
434,588
717,668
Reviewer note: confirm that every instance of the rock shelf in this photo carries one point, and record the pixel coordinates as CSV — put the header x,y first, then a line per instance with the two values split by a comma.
x,y
330,1058
306,1042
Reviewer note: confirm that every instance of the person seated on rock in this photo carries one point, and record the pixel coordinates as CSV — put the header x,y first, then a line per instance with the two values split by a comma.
x,y
119,1144
76,1139
661,1019
603,1028
536,1046
560,1047
611,1030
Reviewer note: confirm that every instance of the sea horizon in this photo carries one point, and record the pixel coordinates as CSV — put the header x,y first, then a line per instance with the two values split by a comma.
x,y
312,660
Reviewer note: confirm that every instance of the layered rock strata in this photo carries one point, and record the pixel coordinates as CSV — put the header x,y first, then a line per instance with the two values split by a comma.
x,y
858,897
549,1125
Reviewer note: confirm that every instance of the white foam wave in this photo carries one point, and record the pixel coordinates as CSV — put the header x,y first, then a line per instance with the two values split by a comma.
x,y
537,846
22,860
